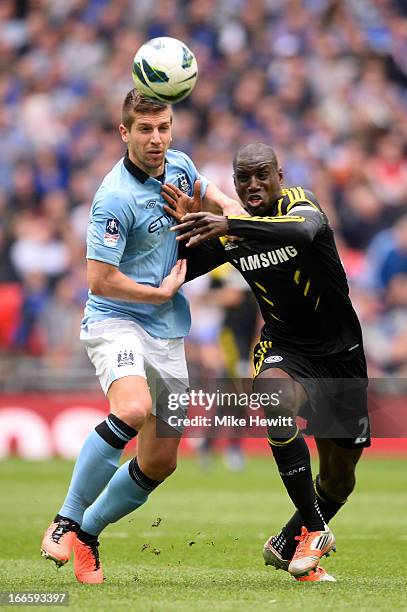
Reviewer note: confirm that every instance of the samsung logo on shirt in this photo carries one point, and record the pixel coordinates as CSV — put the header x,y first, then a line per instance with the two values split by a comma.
x,y
264,260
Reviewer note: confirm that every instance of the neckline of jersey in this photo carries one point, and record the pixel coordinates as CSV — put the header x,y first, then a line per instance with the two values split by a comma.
x,y
138,173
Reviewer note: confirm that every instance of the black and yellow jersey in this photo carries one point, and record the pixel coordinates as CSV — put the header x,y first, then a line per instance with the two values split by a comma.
x,y
291,263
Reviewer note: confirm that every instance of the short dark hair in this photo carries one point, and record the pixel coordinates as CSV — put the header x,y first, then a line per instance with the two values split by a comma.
x,y
135,102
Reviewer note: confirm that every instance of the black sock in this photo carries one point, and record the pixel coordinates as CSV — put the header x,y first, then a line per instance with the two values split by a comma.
x,y
73,525
87,538
140,478
284,542
115,432
293,461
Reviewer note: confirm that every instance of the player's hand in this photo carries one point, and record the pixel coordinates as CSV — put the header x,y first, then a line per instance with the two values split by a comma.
x,y
174,280
179,203
198,227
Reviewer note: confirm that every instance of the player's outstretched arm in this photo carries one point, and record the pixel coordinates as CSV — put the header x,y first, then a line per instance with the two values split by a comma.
x,y
107,281
298,229
179,204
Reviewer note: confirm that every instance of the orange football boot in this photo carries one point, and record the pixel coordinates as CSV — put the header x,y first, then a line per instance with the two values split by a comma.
x,y
58,540
272,557
87,566
312,546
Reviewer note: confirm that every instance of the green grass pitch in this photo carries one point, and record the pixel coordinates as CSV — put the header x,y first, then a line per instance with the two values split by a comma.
x,y
206,552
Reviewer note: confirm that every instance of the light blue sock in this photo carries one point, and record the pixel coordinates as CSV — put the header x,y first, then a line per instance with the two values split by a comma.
x,y
127,490
95,466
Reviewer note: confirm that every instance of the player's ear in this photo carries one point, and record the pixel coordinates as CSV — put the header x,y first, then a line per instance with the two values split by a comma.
x,y
234,179
124,132
280,174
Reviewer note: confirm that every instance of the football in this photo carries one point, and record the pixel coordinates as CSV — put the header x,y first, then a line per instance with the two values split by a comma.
x,y
165,69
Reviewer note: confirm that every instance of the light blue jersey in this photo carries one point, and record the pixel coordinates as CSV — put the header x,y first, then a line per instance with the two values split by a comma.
x,y
129,229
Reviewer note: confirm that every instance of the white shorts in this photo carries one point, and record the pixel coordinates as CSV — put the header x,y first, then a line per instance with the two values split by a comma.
x,y
119,348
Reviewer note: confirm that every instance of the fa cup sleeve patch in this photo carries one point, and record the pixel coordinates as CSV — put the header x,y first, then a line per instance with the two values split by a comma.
x,y
111,235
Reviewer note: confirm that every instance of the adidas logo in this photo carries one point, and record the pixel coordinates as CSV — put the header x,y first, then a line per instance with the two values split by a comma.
x,y
321,542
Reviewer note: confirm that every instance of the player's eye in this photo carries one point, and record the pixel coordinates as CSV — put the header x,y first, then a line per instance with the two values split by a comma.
x,y
242,178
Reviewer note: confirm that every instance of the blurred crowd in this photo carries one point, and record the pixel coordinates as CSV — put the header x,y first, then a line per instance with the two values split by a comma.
x,y
322,81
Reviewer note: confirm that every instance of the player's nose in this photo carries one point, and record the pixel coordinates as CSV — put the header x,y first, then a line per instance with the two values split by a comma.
x,y
253,185
155,136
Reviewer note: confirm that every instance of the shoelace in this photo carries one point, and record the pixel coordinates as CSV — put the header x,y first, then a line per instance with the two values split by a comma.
x,y
301,539
62,528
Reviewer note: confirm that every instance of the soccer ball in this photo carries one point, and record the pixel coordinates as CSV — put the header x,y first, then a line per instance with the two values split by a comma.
x,y
165,69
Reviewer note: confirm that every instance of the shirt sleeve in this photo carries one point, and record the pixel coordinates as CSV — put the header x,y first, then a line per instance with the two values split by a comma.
x,y
109,224
298,222
202,258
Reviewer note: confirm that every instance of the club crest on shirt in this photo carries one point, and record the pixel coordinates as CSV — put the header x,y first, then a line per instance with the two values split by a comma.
x,y
183,183
111,235
125,358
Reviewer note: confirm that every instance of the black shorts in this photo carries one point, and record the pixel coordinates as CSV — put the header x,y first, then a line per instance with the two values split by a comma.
x,y
336,386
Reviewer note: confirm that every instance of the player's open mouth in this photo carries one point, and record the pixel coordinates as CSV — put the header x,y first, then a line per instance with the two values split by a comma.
x,y
254,200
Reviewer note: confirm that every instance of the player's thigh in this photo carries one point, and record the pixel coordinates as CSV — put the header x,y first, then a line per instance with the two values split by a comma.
x,y
130,400
291,394
167,376
157,446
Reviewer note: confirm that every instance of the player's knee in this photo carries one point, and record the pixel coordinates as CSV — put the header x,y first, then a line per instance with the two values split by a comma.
x,y
281,424
132,411
280,414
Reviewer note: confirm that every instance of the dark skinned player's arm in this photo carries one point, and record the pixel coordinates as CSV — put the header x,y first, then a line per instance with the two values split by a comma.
x,y
202,258
298,228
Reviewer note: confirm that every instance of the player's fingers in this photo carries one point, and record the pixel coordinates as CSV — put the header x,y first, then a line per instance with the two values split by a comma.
x,y
198,239
197,188
196,216
176,189
193,232
170,211
170,187
183,237
169,200
176,268
194,241
183,268
182,226
168,194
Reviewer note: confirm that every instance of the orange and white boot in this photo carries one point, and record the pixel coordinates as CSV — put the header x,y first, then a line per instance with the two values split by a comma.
x,y
272,557
58,540
312,546
87,566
